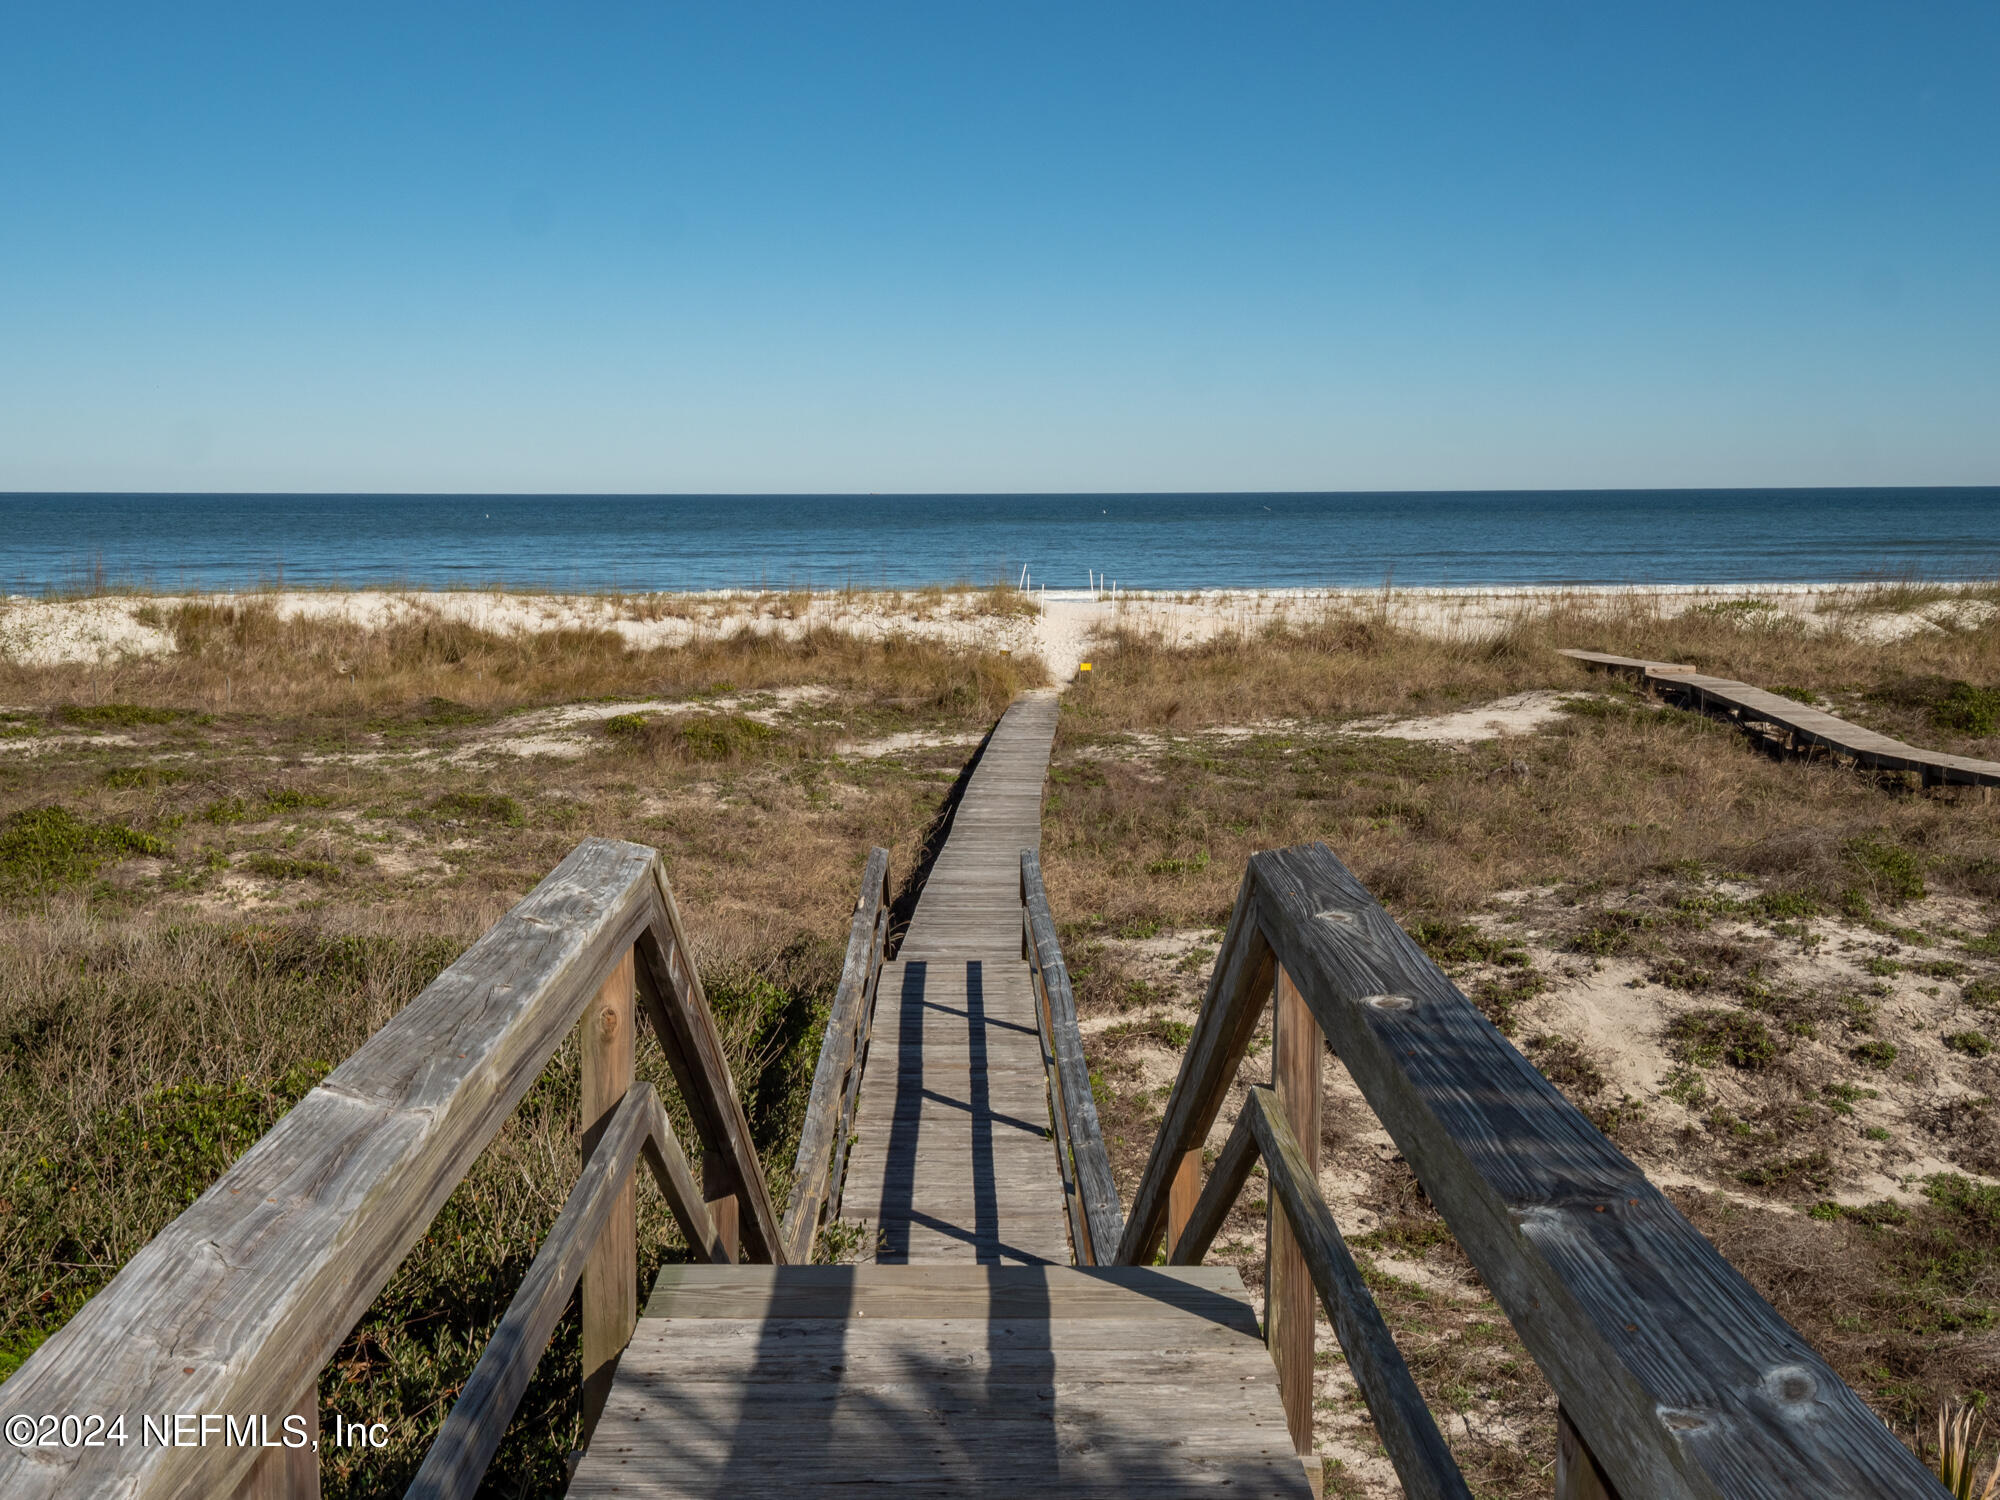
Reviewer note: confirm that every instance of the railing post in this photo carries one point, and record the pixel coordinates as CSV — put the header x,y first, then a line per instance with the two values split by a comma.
x,y
1183,1192
1577,1475
288,1473
718,1188
611,1274
1290,1301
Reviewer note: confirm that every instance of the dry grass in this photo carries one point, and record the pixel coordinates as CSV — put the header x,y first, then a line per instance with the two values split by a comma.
x,y
263,843
1654,843
244,655
202,909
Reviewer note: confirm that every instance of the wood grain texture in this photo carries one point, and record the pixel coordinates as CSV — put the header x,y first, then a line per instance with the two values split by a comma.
x,y
837,1078
970,906
455,1466
288,1473
1680,1378
1403,1421
1218,1195
1238,988
1290,1317
678,1185
236,1304
960,1379
1578,1476
1183,1192
724,1205
1103,1217
951,1290
605,1040
1803,725
954,1157
678,1009
1079,1228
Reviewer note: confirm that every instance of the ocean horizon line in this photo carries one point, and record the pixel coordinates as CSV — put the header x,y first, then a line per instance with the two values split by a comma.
x,y
1154,540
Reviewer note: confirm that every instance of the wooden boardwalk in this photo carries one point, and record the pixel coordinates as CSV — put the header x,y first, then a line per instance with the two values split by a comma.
x,y
941,1381
980,1351
1796,726
969,1356
954,1160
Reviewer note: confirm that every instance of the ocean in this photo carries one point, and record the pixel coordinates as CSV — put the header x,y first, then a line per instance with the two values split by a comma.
x,y
1173,541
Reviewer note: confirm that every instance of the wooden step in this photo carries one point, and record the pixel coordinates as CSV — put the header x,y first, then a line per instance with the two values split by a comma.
x,y
944,1380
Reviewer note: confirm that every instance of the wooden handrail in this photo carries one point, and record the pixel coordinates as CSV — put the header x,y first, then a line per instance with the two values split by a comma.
x,y
1402,1420
1079,1137
822,1158
1239,986
465,1444
678,1008
1682,1382
236,1305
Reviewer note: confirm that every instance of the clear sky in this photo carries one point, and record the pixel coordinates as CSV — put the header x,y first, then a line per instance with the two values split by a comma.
x,y
951,246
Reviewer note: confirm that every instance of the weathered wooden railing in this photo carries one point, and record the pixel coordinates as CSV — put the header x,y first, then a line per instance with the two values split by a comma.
x,y
1403,1422
1095,1219
822,1160
1675,1379
233,1308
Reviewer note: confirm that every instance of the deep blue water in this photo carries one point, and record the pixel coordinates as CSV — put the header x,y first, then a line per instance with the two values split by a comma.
x,y
1143,541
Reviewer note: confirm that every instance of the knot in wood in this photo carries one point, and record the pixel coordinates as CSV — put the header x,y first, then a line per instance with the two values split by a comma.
x,y
1791,1385
1388,1002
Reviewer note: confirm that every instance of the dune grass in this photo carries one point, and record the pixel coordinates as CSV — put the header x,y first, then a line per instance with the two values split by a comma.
x,y
220,868
204,907
1649,839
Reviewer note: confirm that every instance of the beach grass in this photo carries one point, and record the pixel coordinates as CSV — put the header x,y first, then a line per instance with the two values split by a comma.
x,y
236,856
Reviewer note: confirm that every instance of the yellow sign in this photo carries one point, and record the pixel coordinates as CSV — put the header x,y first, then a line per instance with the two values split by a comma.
x,y
1083,666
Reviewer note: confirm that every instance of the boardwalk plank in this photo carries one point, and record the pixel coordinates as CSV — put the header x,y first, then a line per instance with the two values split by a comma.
x,y
968,1357
1091,1384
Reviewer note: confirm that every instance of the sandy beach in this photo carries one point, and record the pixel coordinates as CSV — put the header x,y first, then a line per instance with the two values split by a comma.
x,y
1057,625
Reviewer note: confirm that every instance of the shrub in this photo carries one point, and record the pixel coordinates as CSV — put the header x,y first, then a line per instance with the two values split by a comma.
x,y
1875,1054
1897,874
1813,1171
1611,933
1741,1040
724,736
487,807
286,867
115,715
42,848
1967,709
1462,943
1971,1043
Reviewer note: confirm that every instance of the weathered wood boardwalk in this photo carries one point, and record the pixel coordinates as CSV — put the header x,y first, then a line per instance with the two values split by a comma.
x,y
1800,726
954,1160
943,1381
1007,1333
970,1357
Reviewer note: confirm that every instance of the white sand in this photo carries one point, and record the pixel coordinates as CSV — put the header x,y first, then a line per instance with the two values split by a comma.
x,y
1060,629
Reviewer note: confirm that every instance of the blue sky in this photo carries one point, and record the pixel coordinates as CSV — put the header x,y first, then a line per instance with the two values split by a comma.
x,y
767,247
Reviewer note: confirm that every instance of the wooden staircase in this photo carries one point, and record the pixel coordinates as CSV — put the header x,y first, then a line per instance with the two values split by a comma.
x,y
971,1357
